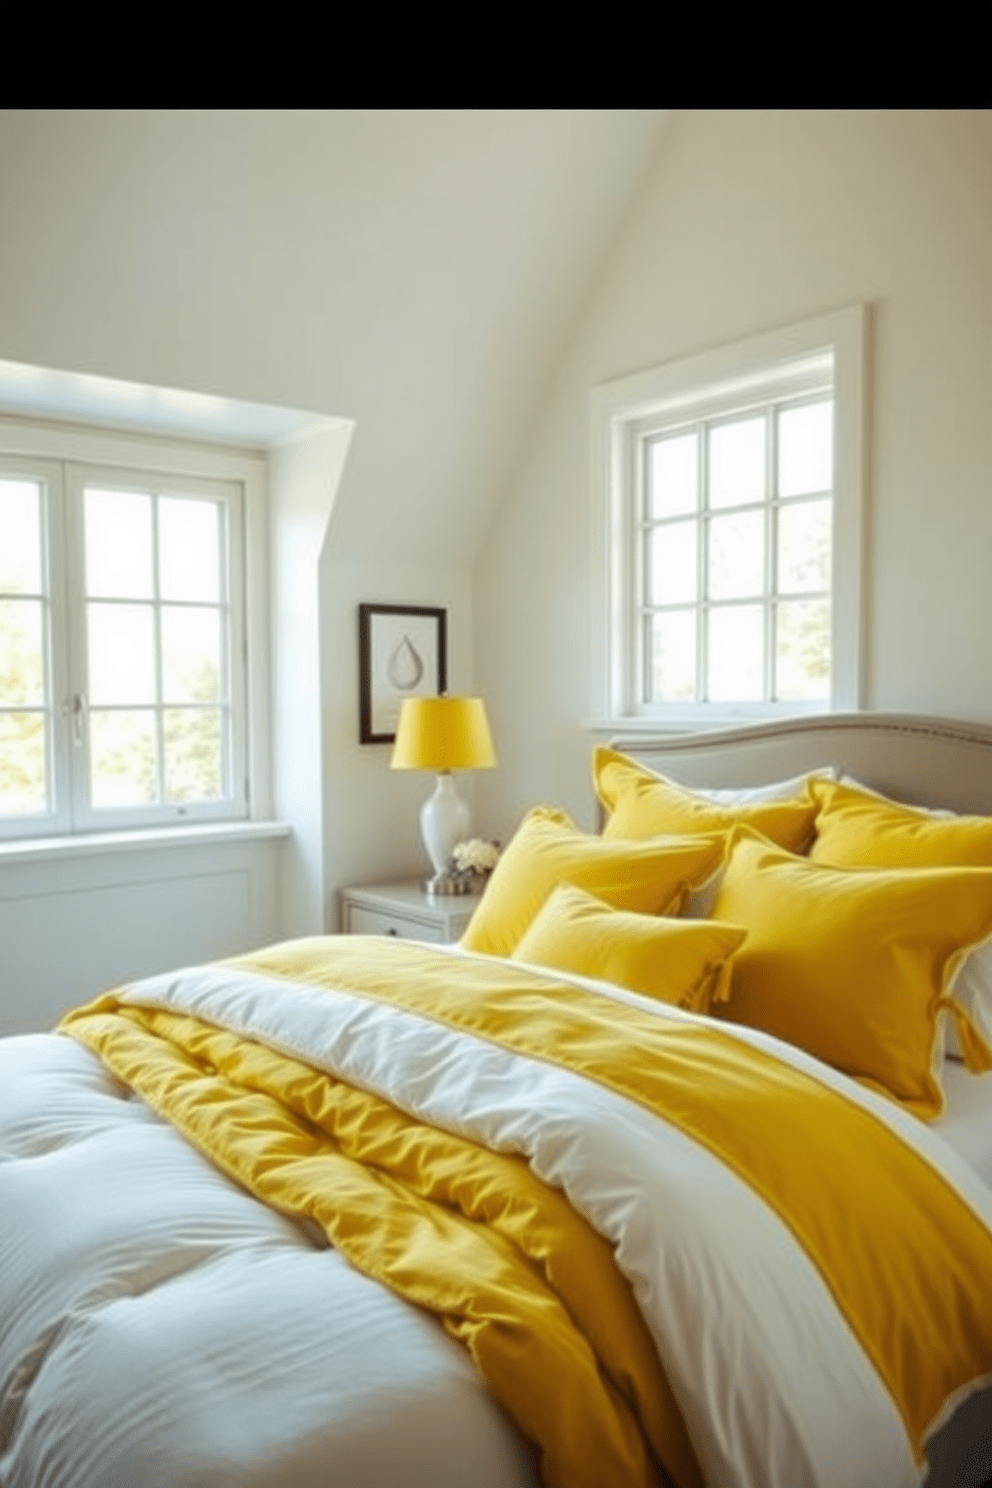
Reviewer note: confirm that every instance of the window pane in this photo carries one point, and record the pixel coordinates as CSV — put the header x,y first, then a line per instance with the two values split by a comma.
x,y
806,449
737,462
22,672
673,576
22,764
123,758
802,651
672,660
804,547
191,655
121,653
737,556
672,467
193,757
20,526
735,672
118,544
189,548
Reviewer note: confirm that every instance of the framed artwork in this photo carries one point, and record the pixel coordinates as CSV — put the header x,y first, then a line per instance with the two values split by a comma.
x,y
402,652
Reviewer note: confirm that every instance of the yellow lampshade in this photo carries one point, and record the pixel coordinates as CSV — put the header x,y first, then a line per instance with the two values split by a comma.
x,y
443,733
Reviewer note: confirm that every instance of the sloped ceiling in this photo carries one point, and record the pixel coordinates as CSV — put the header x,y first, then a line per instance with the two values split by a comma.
x,y
416,271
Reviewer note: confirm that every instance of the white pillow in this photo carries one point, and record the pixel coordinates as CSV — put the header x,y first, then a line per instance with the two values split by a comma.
x,y
869,790
973,989
778,790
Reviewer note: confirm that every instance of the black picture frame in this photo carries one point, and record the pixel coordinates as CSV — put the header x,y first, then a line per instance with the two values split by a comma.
x,y
402,652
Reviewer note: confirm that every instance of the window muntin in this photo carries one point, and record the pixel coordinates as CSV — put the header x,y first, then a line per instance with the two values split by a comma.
x,y
734,540
122,694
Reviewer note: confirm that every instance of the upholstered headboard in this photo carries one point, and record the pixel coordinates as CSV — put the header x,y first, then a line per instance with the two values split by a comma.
x,y
913,758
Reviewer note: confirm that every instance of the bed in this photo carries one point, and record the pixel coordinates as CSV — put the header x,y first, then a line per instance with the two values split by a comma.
x,y
364,1212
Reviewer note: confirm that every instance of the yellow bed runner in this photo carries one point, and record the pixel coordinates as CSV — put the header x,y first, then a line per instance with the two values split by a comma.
x,y
502,1259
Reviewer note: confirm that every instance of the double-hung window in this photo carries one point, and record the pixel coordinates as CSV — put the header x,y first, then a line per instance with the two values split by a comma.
x,y
727,494
122,652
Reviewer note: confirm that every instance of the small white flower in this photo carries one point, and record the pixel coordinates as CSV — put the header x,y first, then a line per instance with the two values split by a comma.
x,y
475,856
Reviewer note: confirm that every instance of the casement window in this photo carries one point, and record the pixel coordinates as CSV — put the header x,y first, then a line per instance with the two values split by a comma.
x,y
122,651
727,501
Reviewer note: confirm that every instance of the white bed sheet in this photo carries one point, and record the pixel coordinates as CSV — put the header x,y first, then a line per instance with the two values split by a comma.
x,y
967,1123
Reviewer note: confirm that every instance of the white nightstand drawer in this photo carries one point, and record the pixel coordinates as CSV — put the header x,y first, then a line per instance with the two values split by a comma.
x,y
406,911
362,921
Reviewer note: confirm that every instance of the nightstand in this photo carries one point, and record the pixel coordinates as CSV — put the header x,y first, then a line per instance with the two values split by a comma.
x,y
405,910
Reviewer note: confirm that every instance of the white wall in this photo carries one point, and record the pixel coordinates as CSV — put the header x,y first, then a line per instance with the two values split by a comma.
x,y
74,925
371,813
304,475
749,221
409,273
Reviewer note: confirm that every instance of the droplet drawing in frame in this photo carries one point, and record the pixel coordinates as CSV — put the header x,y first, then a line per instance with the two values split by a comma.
x,y
405,666
402,652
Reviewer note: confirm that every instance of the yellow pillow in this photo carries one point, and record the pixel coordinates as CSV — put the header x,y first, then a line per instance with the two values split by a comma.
x,y
855,829
548,849
642,804
685,962
855,967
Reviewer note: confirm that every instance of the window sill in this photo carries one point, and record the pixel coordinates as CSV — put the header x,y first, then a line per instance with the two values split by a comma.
x,y
46,849
702,722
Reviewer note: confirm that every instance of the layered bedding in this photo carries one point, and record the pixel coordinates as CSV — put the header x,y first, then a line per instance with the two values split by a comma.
x,y
583,1201
162,1326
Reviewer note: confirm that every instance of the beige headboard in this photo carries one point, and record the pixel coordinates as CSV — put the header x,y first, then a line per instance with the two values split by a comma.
x,y
925,761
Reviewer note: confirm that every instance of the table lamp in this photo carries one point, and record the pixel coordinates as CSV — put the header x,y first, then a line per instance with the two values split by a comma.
x,y
443,734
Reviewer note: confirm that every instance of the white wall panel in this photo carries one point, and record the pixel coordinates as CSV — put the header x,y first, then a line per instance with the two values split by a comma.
x,y
72,928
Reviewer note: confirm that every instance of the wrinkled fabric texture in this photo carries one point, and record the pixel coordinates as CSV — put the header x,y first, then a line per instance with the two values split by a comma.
x,y
801,1252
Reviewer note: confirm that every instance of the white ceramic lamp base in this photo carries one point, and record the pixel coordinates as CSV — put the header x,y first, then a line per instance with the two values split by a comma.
x,y
444,820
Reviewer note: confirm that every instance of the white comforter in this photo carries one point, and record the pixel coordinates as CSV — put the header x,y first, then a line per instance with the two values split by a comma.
x,y
159,1326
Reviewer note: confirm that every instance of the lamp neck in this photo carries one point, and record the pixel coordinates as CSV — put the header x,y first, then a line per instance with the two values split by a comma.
x,y
444,820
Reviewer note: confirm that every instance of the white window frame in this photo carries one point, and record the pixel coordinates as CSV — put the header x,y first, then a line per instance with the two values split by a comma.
x,y
64,457
736,377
